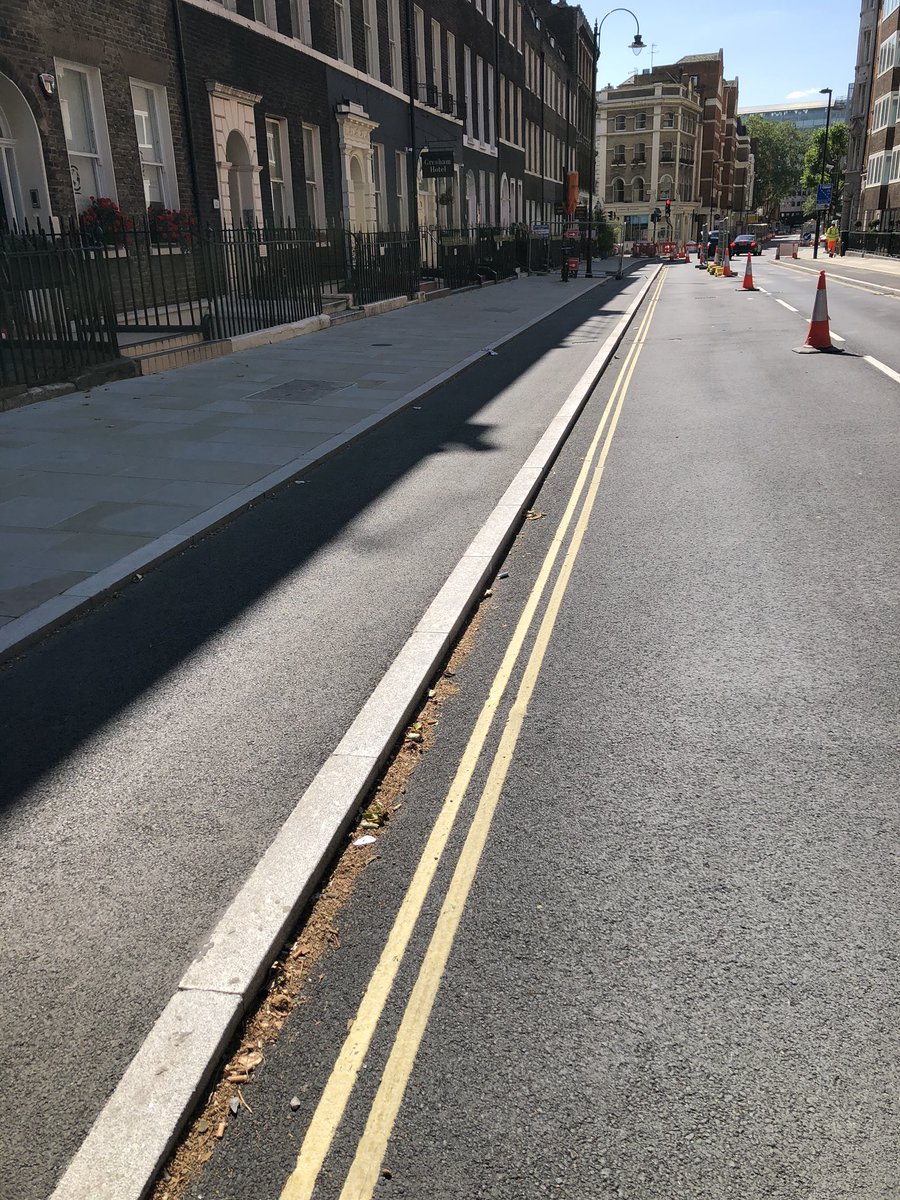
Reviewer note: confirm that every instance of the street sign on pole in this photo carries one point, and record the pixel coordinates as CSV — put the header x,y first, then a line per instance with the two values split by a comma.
x,y
823,195
541,231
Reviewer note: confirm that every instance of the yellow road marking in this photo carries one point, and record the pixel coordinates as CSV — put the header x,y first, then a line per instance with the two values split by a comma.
x,y
333,1102
366,1166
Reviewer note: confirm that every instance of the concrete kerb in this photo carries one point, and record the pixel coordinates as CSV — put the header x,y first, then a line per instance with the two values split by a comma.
x,y
131,1137
23,631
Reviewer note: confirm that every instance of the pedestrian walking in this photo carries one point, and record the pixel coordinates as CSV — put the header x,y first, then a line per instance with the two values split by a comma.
x,y
832,236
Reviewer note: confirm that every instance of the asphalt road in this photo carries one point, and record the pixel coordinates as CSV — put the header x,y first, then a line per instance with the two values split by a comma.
x,y
676,975
153,749
864,305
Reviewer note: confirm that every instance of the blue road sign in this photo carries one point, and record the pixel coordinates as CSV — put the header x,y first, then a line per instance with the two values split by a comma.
x,y
823,195
541,231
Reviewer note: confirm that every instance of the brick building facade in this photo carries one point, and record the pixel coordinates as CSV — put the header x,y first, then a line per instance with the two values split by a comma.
x,y
76,99
879,203
672,133
294,111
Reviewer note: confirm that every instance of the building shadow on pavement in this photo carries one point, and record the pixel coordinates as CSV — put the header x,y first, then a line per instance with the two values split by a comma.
x,y
73,683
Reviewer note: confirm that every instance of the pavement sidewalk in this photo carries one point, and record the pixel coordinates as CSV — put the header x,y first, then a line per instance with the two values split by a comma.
x,y
99,485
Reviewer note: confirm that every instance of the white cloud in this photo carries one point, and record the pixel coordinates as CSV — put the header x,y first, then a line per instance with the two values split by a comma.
x,y
802,95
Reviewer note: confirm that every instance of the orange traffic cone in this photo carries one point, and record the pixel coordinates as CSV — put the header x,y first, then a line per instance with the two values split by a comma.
x,y
701,257
727,272
819,338
747,285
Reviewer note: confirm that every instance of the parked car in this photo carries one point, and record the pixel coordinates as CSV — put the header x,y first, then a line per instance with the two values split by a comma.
x,y
745,243
691,247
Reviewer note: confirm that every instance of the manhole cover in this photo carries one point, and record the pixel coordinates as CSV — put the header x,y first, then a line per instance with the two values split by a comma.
x,y
299,389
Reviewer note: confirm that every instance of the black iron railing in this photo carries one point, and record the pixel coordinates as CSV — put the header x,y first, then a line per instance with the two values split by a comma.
x,y
68,295
56,310
872,242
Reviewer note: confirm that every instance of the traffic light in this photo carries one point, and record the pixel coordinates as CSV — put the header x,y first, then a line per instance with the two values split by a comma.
x,y
668,209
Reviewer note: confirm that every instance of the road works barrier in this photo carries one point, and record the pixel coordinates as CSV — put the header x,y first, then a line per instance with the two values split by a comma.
x,y
818,339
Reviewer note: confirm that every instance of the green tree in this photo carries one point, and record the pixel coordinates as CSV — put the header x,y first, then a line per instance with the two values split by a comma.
x,y
778,148
835,158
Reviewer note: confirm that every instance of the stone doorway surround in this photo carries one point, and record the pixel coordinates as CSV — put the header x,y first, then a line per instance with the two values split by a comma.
x,y
357,170
232,111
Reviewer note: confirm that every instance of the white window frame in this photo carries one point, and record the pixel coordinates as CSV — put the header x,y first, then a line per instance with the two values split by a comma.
x,y
437,59
401,176
166,165
278,126
395,46
887,54
479,91
619,123
467,75
312,141
301,21
343,29
885,111
264,12
888,7
105,175
875,170
492,116
452,78
419,38
895,166
370,24
378,187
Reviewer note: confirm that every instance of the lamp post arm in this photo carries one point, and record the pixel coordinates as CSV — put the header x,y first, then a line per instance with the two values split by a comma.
x,y
609,14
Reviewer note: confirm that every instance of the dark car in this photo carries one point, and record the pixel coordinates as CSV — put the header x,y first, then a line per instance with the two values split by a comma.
x,y
712,243
745,243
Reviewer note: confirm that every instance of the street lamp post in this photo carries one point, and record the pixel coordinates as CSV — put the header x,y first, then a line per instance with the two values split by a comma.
x,y
637,46
822,92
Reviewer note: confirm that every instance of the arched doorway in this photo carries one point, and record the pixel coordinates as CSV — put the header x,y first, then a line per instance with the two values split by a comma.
x,y
240,181
358,195
471,199
24,195
505,215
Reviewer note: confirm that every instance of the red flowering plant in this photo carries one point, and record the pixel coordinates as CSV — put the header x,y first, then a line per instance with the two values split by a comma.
x,y
168,225
104,224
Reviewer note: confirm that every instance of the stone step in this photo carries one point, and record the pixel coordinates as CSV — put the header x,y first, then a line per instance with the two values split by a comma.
x,y
353,314
168,360
157,345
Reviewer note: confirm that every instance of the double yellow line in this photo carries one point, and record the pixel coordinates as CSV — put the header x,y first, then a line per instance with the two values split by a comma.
x,y
364,1171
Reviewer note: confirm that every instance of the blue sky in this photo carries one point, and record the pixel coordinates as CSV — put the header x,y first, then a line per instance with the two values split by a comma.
x,y
777,53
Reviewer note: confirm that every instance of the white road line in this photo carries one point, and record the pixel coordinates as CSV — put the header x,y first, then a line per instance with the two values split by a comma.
x,y
784,304
849,280
881,367
837,337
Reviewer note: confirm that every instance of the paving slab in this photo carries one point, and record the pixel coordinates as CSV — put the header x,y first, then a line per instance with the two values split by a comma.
x,y
92,477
